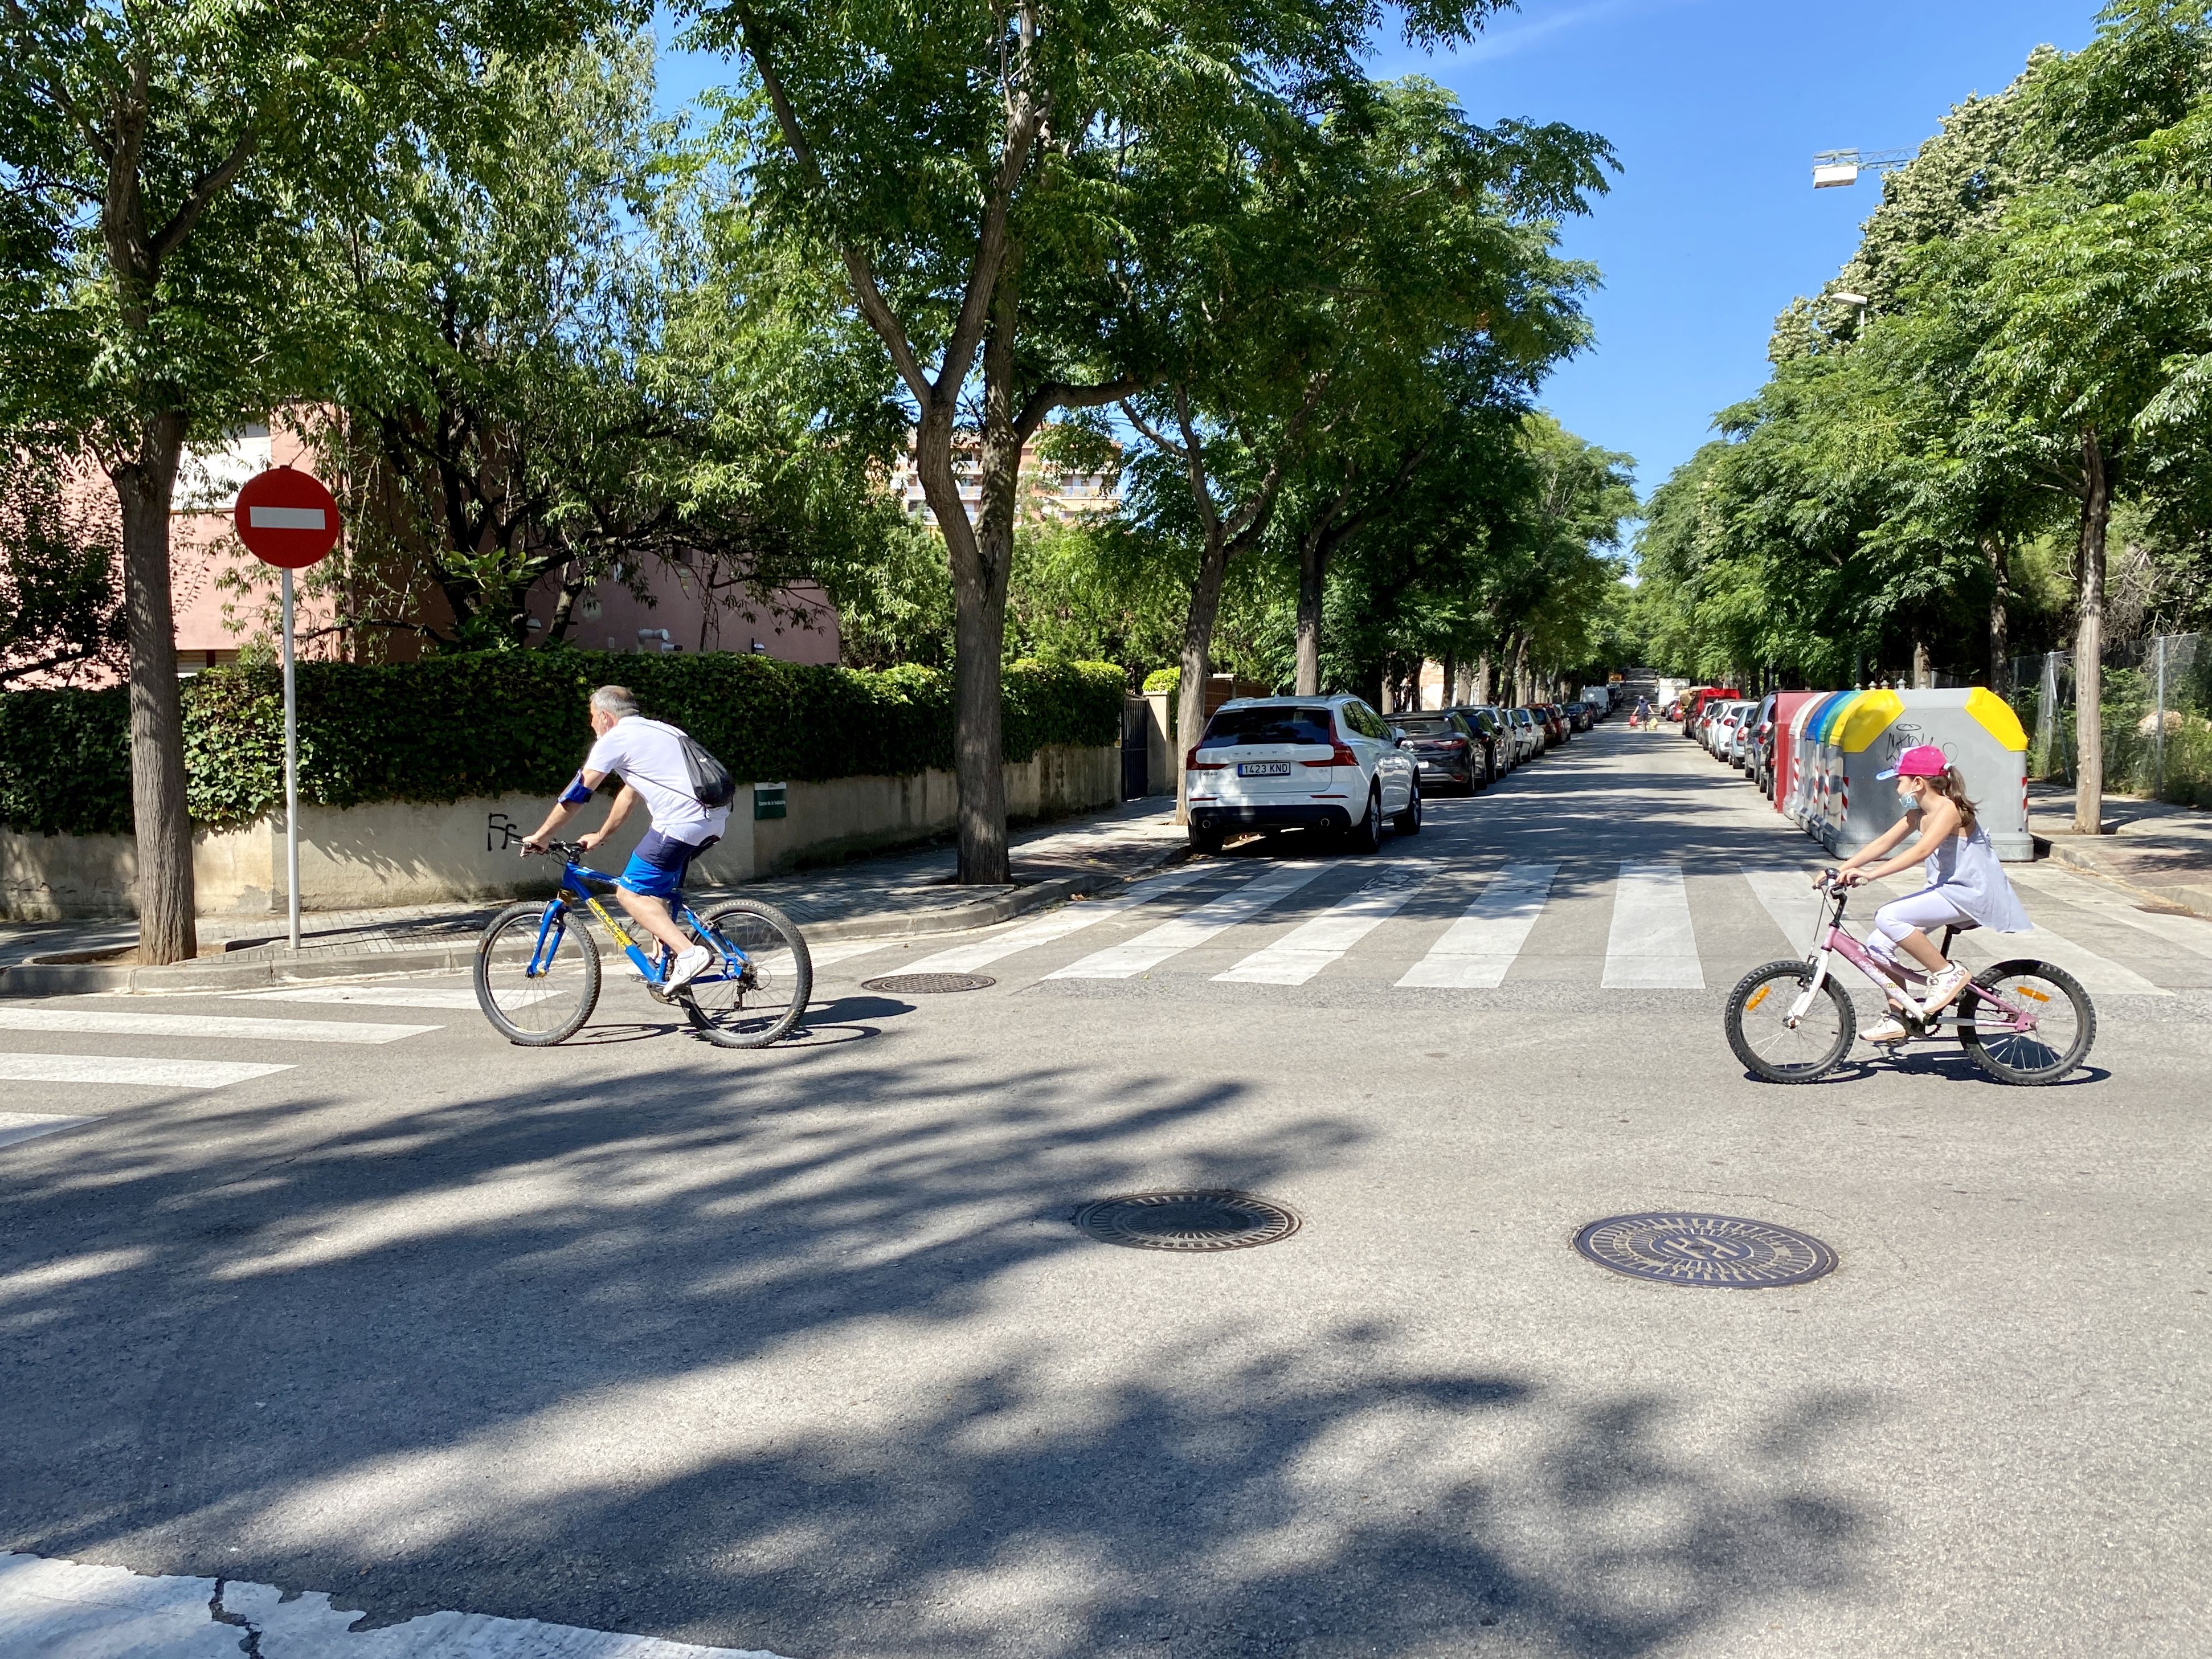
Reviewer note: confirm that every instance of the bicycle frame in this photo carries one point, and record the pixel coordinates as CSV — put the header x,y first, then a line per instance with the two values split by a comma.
x,y
1887,978
554,922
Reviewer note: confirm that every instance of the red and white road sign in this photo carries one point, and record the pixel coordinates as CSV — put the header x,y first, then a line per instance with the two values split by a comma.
x,y
286,518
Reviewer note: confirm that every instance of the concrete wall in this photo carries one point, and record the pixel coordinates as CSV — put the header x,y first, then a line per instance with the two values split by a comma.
x,y
394,853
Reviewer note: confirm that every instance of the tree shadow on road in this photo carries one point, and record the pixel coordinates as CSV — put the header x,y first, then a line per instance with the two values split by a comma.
x,y
813,1361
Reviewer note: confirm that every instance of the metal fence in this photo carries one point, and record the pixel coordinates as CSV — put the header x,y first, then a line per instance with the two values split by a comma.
x,y
2157,716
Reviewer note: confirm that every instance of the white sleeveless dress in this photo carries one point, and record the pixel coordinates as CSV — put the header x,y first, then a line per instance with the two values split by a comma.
x,y
1965,871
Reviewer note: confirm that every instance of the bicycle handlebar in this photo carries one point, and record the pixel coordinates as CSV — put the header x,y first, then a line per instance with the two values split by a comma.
x,y
501,832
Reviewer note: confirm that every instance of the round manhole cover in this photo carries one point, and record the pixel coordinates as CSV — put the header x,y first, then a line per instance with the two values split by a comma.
x,y
928,985
1717,1252
1186,1221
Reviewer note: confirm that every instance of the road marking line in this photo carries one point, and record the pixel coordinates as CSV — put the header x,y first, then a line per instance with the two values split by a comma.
x,y
1651,946
1314,943
1068,918
1788,898
1192,927
822,955
29,1126
1477,950
2099,975
204,1025
394,996
69,1606
147,1073
2190,933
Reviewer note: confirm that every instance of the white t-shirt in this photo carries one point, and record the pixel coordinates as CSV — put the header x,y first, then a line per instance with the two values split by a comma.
x,y
648,757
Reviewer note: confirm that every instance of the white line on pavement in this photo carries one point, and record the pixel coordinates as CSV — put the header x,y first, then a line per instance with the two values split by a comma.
x,y
2099,975
1313,944
835,950
1068,918
394,996
86,1611
1787,897
1651,946
29,1126
1476,950
1194,927
2192,934
148,1073
204,1025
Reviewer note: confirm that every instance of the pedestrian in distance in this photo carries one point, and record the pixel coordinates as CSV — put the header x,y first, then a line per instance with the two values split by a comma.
x,y
1966,886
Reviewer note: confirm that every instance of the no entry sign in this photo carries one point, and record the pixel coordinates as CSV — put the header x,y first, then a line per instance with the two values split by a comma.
x,y
286,518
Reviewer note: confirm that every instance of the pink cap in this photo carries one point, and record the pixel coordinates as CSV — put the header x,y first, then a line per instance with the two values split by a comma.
x,y
1923,760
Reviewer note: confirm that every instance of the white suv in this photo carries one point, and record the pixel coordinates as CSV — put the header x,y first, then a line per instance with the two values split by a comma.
x,y
1300,762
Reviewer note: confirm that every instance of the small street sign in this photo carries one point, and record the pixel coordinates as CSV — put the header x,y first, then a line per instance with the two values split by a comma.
x,y
286,518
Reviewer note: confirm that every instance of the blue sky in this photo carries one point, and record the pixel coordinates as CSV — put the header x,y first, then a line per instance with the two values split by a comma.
x,y
1716,107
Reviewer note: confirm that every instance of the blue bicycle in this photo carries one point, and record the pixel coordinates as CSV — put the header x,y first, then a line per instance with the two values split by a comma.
x,y
537,966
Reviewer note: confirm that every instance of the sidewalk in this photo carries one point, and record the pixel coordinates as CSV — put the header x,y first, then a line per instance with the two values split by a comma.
x,y
899,894
2163,852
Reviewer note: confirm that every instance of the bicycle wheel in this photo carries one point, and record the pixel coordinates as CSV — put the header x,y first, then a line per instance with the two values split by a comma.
x,y
1759,1031
549,1006
2065,1023
759,991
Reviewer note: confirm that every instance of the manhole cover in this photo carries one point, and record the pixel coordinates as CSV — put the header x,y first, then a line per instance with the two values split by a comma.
x,y
1717,1252
1186,1221
928,985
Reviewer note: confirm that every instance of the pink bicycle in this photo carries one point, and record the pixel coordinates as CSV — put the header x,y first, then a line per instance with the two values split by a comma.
x,y
2022,1021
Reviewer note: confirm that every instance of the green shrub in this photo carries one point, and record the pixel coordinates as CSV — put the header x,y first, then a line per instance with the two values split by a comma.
x,y
1169,680
494,723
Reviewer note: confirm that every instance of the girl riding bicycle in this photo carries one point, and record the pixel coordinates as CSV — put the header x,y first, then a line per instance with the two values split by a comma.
x,y
1965,886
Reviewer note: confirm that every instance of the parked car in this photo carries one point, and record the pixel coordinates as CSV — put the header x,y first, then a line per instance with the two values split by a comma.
x,y
1527,736
1300,762
1449,754
1491,730
1547,724
1694,702
1582,716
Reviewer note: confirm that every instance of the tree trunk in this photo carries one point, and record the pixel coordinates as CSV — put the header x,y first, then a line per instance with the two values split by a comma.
x,y
1197,646
1312,568
1448,688
1485,679
1993,548
1522,693
143,486
2089,642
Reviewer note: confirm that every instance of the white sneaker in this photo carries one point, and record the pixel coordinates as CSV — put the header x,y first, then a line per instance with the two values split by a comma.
x,y
1943,989
685,969
1890,1029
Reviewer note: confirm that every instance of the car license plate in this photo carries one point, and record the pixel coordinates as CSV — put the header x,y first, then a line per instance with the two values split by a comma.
x,y
1263,769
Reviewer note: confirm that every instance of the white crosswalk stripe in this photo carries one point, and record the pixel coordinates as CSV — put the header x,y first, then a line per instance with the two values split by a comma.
x,y
842,949
2099,975
29,1126
1787,897
1312,945
1476,950
395,996
1149,949
1651,945
146,1074
2192,934
1057,924
134,1024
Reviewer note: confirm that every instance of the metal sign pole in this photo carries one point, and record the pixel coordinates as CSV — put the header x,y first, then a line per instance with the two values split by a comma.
x,y
291,776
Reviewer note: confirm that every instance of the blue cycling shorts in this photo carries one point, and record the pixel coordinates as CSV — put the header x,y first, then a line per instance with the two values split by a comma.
x,y
657,868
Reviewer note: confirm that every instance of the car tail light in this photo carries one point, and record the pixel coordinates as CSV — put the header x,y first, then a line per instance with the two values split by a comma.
x,y
1338,755
1192,763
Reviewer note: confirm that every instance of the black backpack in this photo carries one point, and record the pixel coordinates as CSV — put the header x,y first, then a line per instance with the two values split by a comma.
x,y
712,785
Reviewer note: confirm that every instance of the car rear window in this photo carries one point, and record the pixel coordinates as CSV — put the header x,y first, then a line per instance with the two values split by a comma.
x,y
1242,725
1428,725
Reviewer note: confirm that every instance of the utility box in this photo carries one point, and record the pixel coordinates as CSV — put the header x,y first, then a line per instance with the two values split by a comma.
x,y
769,801
1978,732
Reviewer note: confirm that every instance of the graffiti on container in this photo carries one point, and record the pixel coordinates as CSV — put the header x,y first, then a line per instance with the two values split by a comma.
x,y
1903,736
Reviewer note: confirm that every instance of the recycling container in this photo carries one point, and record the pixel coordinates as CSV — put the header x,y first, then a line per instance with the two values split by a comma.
x,y
1976,730
1789,708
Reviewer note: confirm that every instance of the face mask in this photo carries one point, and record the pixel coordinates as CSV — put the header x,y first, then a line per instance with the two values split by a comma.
x,y
1908,798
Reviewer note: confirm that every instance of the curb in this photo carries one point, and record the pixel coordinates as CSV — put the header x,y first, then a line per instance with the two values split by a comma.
x,y
75,979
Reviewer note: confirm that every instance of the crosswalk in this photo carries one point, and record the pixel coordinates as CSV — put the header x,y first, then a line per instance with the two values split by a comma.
x,y
110,1056
1419,924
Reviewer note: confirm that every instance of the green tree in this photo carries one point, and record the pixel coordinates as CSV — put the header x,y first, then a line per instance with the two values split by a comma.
x,y
992,179
162,161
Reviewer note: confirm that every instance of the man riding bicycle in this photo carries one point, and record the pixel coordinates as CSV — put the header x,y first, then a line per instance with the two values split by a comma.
x,y
649,757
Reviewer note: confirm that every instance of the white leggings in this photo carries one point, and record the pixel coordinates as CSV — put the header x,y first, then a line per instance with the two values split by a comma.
x,y
1927,909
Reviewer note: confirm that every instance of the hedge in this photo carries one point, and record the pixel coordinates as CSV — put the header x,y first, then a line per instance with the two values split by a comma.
x,y
494,723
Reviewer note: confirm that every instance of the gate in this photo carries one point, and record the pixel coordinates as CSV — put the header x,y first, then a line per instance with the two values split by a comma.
x,y
1136,749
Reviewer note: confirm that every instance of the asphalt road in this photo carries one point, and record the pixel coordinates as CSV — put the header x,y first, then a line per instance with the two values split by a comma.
x,y
798,1351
